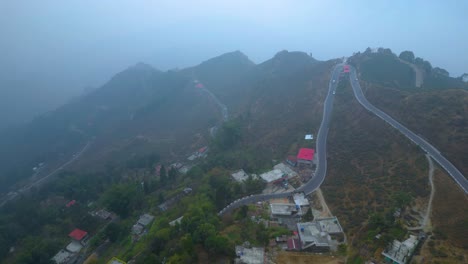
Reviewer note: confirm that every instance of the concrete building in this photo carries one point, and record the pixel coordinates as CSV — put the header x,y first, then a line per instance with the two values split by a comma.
x,y
254,255
285,169
139,228
305,156
62,257
401,252
240,176
291,160
320,235
273,176
79,236
282,209
74,247
300,199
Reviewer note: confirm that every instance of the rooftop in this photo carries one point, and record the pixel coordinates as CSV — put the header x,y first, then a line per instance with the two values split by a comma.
x,y
137,229
330,225
306,154
240,176
400,252
78,234
294,244
309,136
272,176
285,169
311,233
283,209
115,260
74,247
253,255
300,199
145,219
62,257
178,220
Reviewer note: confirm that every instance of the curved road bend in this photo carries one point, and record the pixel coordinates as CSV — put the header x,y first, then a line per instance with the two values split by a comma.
x,y
423,144
41,180
321,152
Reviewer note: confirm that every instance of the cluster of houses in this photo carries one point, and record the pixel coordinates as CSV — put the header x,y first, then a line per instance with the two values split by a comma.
x,y
323,234
79,238
200,153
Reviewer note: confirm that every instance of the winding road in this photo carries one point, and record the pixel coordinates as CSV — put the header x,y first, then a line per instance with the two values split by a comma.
x,y
423,144
321,152
321,147
40,181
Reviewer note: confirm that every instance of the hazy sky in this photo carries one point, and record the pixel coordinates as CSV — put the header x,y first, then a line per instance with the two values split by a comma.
x,y
73,44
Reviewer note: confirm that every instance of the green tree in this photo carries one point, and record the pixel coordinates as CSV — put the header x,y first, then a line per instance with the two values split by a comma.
x,y
308,215
407,56
122,198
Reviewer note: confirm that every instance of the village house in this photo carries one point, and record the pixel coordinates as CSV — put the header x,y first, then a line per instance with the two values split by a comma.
x,y
249,255
401,252
320,235
305,156
140,227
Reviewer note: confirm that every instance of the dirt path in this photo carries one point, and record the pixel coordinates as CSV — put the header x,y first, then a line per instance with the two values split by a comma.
x,y
426,223
419,76
325,210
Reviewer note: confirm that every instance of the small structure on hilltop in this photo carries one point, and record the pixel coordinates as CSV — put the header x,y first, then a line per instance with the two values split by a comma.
x,y
401,252
309,137
246,255
305,156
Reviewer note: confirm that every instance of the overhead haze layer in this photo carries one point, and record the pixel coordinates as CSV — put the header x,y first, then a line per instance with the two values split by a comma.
x,y
52,50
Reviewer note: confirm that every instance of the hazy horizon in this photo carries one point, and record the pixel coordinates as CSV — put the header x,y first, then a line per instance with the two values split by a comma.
x,y
59,48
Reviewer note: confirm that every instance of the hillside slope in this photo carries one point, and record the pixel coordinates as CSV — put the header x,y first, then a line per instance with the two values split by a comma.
x,y
438,111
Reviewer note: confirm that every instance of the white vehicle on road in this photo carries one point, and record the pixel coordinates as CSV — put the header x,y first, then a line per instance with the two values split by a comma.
x,y
333,92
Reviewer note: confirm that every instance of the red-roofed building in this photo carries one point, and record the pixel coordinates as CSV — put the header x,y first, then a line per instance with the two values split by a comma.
x,y
346,68
202,150
70,203
305,155
294,244
79,235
